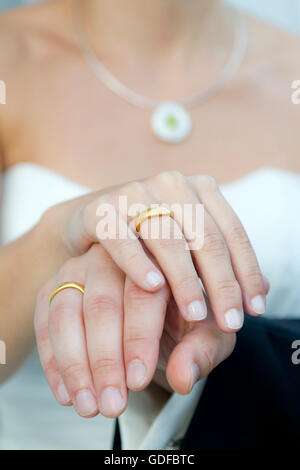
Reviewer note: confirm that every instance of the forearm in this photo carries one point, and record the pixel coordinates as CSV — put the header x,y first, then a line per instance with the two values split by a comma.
x,y
25,265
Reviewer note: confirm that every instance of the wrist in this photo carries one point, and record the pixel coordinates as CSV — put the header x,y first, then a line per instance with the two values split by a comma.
x,y
48,234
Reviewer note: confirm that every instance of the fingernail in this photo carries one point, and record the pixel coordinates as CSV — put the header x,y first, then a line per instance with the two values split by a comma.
x,y
197,310
63,394
258,304
195,374
136,374
234,319
86,403
111,401
154,279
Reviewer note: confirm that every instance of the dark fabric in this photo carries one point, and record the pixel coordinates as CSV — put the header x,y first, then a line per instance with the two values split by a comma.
x,y
252,400
117,437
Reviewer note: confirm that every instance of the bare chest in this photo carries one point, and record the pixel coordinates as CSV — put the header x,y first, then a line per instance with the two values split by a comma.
x,y
93,137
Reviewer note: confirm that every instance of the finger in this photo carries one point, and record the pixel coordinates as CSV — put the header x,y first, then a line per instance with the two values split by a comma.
x,y
221,286
243,257
143,326
130,256
198,353
44,346
210,255
122,243
266,284
103,315
164,238
67,336
174,257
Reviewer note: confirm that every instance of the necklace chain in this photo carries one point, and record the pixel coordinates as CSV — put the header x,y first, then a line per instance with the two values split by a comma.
x,y
136,99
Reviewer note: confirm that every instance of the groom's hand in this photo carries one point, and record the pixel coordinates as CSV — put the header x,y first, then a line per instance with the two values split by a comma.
x,y
94,347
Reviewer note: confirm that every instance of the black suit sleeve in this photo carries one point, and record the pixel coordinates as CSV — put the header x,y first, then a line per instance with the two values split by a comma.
x,y
252,400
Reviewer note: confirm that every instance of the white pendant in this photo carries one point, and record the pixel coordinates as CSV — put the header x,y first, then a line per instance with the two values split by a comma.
x,y
171,123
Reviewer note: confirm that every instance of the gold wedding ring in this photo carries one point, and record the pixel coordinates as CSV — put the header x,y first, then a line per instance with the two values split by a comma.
x,y
152,212
66,285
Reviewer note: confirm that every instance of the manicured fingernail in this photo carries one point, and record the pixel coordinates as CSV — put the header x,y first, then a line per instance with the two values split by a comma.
x,y
63,394
111,402
136,374
154,279
234,319
197,311
86,403
195,374
258,304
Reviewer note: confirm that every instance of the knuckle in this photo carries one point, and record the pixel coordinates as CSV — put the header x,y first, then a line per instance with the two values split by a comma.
x,y
57,312
176,175
212,354
133,189
73,370
107,362
170,177
187,283
96,208
98,304
229,288
238,237
49,216
125,247
89,209
254,276
131,257
69,268
135,294
42,334
101,199
207,182
172,243
84,222
136,338
213,243
97,250
51,366
99,258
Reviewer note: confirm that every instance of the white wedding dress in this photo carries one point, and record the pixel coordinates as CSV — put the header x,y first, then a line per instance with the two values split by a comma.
x,y
268,203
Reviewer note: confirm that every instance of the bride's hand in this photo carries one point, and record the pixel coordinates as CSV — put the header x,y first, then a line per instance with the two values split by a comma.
x,y
226,263
94,347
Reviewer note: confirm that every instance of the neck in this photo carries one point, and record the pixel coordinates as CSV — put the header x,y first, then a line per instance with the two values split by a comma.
x,y
150,26
145,42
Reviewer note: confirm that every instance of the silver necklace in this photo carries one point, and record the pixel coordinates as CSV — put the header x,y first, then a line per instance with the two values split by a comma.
x,y
170,120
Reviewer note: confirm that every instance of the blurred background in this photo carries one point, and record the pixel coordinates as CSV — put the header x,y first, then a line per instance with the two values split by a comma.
x,y
285,13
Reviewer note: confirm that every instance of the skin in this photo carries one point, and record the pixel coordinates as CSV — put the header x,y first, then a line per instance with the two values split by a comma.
x,y
79,361
110,306
38,53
